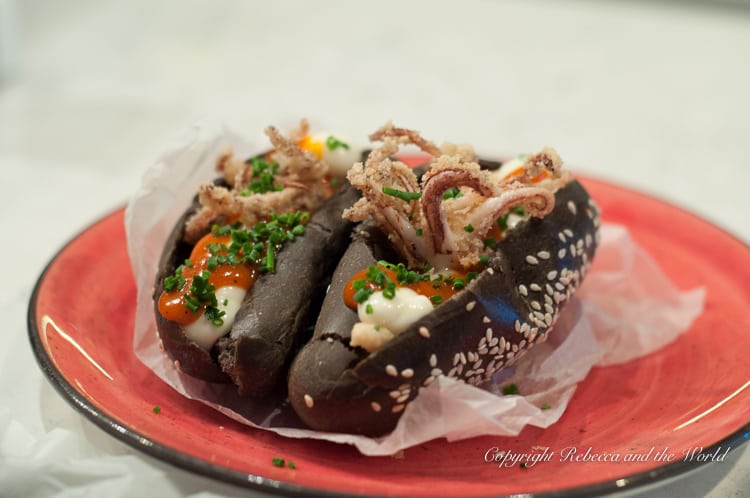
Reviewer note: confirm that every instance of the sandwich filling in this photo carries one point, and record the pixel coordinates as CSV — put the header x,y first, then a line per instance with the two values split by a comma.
x,y
444,226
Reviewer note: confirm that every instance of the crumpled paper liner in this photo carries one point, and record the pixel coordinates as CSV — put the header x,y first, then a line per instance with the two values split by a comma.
x,y
626,309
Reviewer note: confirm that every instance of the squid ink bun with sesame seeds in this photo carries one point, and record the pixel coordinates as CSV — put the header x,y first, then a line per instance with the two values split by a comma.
x,y
415,296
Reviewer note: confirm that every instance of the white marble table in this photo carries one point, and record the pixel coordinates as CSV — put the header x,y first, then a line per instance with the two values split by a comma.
x,y
651,95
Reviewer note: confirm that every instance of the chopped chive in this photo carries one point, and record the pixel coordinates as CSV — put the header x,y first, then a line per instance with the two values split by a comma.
x,y
469,228
277,461
368,309
436,299
400,194
511,389
156,409
546,406
333,143
484,259
452,193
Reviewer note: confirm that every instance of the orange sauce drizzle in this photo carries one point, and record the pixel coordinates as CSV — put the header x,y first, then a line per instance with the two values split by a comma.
x,y
444,289
172,304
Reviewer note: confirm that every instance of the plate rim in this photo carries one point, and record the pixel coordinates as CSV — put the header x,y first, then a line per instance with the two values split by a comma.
x,y
120,430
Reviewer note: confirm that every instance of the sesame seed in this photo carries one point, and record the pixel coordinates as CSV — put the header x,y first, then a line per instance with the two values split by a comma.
x,y
456,359
561,236
559,286
552,275
568,232
477,364
490,271
433,360
397,408
572,207
549,289
391,370
543,254
536,305
436,372
531,260
375,406
517,325
470,305
503,343
495,340
483,350
561,253
486,319
309,401
424,332
488,333
177,365
470,356
403,399
523,290
395,394
463,358
494,351
429,380
407,373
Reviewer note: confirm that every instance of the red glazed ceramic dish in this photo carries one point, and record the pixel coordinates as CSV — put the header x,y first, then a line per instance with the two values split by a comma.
x,y
692,394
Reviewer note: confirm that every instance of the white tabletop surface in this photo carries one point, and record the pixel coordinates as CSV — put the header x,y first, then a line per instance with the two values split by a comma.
x,y
654,95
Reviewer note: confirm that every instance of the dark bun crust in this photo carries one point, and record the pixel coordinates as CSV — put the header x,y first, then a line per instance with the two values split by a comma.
x,y
486,327
188,356
277,313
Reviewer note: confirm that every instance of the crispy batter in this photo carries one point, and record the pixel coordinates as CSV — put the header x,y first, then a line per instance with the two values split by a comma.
x,y
301,174
446,232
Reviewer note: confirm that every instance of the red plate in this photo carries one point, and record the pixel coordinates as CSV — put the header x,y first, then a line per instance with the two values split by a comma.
x,y
692,394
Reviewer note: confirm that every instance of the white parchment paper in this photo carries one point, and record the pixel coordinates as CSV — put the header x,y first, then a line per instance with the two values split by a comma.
x,y
627,308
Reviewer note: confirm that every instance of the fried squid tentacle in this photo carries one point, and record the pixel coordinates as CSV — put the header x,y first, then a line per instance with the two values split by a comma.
x,y
300,173
439,229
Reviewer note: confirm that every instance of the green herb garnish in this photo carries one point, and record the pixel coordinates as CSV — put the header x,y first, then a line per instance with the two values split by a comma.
x,y
256,246
333,143
156,409
400,194
511,389
278,461
264,175
452,193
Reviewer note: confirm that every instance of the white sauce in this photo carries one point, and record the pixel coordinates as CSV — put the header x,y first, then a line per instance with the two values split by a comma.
x,y
340,159
508,167
205,333
395,314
